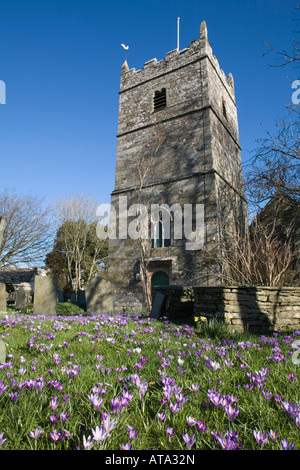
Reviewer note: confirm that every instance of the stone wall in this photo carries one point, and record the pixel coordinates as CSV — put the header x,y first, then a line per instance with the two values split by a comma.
x,y
250,308
254,309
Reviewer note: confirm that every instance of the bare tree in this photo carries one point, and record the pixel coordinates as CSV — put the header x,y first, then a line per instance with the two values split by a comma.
x,y
291,57
275,164
264,258
97,253
2,227
24,230
144,171
76,220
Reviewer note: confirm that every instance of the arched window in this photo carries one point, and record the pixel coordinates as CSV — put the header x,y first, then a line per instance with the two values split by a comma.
x,y
160,240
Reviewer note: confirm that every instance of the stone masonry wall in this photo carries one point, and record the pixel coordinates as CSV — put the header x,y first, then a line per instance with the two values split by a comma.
x,y
254,309
250,308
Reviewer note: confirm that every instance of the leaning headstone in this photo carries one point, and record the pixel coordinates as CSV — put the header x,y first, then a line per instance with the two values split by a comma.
x,y
2,352
45,295
2,297
157,305
20,299
98,294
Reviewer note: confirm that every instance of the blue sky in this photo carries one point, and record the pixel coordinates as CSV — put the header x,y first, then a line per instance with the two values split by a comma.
x,y
61,63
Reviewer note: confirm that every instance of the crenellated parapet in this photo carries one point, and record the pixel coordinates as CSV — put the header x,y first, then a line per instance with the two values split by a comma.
x,y
198,50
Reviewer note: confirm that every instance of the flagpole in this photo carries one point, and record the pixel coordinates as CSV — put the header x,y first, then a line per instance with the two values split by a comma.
x,y
178,34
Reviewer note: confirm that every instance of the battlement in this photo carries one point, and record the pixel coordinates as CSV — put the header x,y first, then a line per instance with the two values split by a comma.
x,y
198,49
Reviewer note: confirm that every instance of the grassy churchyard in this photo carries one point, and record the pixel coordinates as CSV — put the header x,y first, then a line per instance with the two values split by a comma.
x,y
130,382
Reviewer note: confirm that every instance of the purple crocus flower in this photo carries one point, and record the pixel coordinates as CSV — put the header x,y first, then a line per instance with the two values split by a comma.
x,y
126,446
189,440
108,423
143,387
229,441
87,443
36,433
292,377
170,432
1,439
54,418
168,392
228,362
132,433
249,386
99,434
201,427
14,396
194,388
214,397
3,388
273,435
54,403
260,437
161,416
116,404
95,401
180,399
175,408
127,395
291,410
64,416
286,445
231,411
266,394
56,436
278,398
191,421
66,398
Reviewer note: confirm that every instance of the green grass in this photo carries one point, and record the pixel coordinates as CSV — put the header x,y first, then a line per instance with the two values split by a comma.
x,y
108,351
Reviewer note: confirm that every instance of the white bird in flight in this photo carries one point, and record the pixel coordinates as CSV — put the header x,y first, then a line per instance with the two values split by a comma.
x,y
126,49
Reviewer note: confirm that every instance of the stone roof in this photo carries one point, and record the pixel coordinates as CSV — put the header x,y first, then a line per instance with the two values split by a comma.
x,y
18,275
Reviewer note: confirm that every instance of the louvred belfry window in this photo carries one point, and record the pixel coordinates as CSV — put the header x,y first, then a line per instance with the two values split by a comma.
x,y
160,99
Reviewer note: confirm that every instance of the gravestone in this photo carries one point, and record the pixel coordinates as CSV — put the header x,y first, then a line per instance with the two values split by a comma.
x,y
81,300
2,352
73,298
2,297
60,296
45,295
20,298
98,294
157,305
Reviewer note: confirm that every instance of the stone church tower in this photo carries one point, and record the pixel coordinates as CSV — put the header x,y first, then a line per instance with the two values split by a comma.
x,y
177,145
